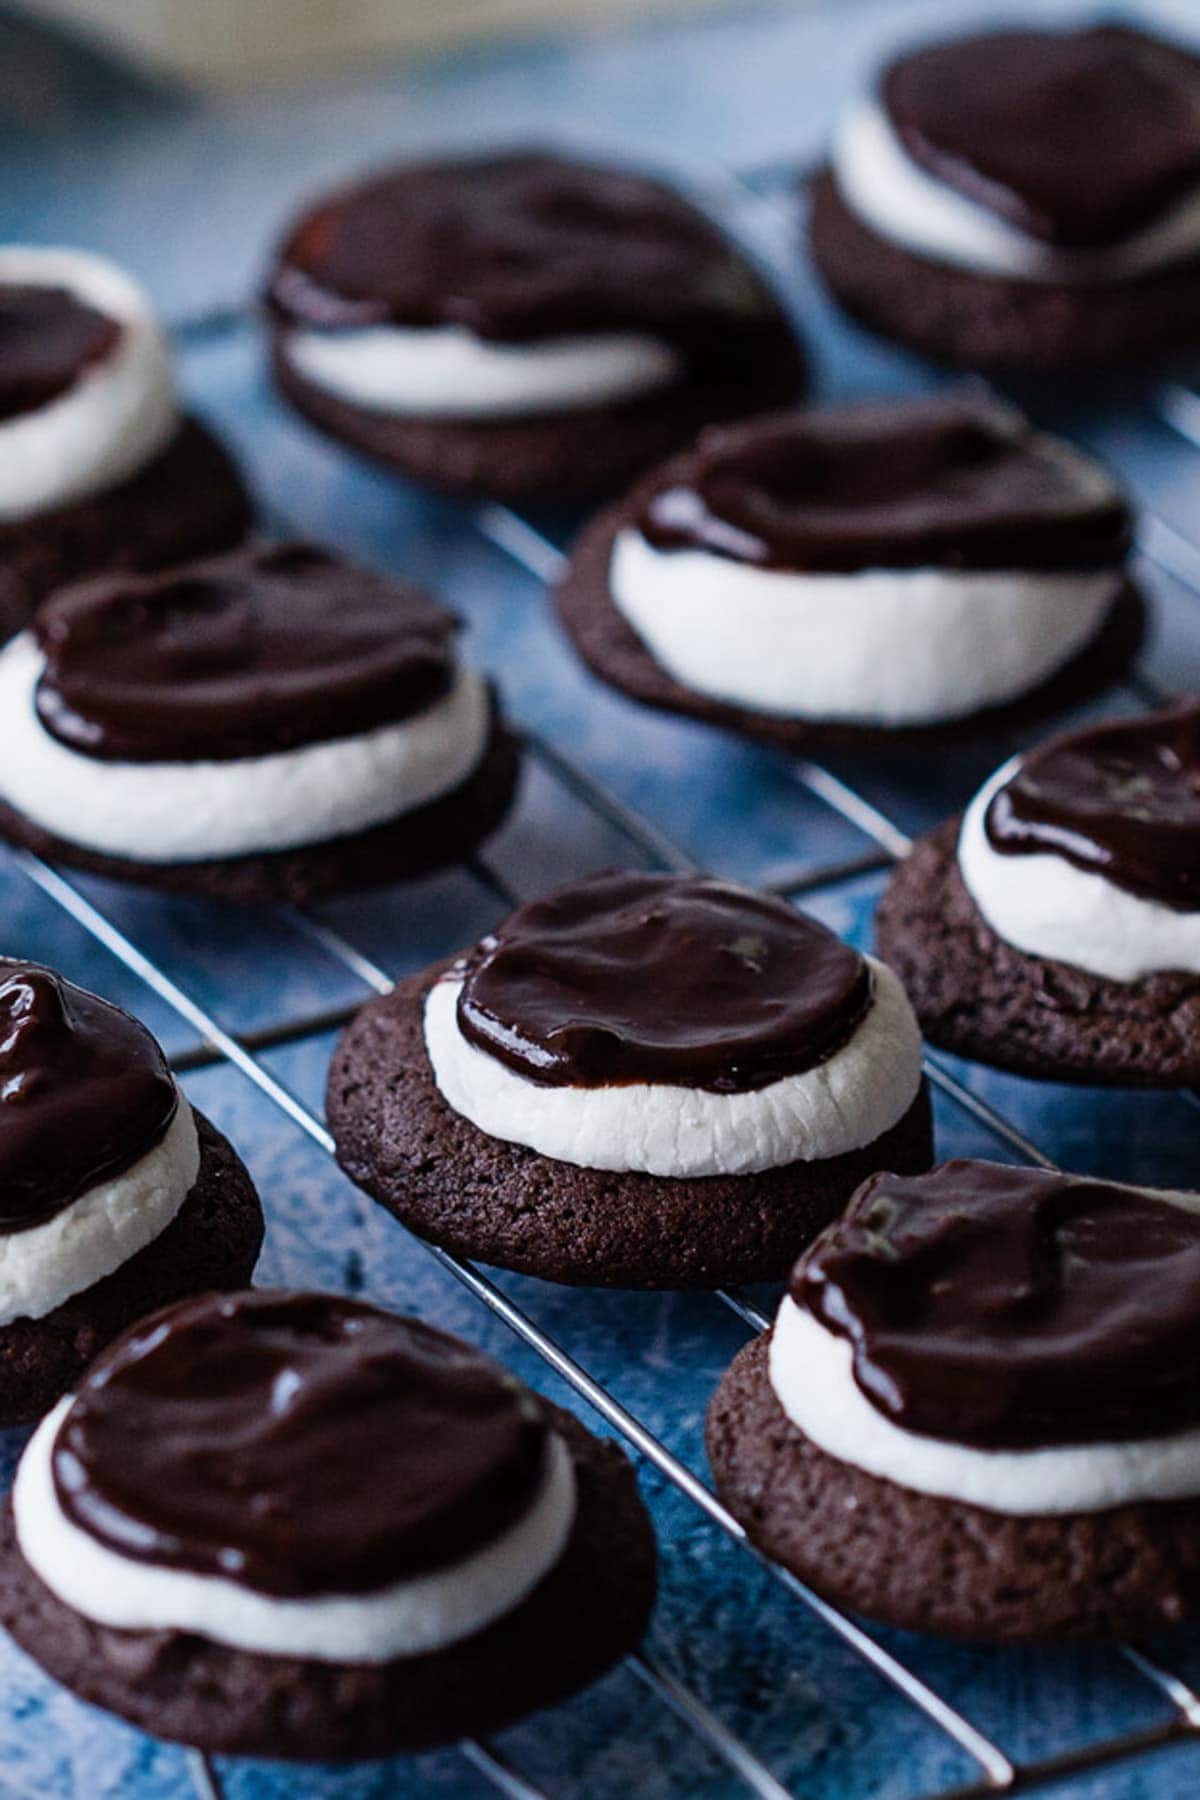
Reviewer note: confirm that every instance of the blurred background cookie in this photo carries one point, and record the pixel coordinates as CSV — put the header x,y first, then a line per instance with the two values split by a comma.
x,y
521,325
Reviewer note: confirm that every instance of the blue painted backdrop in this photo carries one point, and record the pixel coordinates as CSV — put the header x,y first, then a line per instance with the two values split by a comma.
x,y
190,194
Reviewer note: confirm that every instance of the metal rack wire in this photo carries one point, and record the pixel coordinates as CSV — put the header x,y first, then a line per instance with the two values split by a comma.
x,y
996,1771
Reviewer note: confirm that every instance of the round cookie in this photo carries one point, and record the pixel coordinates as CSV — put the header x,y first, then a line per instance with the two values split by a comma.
x,y
101,470
588,1608
978,207
550,260
966,1572
995,1367
1070,950
481,1197
369,690
753,1185
736,510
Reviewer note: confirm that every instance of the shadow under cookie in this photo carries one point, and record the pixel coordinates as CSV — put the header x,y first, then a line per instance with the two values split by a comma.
x,y
589,1611
485,1198
980,997
964,1571
212,1242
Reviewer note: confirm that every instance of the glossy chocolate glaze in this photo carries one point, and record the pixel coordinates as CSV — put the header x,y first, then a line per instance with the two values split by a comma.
x,y
521,248
948,482
85,1092
1079,138
261,650
300,1444
1119,800
48,339
633,977
1014,1307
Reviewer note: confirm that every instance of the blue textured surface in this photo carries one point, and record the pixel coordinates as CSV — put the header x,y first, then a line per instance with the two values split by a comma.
x,y
190,195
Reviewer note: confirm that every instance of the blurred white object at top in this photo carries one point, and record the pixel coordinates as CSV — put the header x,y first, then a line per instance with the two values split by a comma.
x,y
247,40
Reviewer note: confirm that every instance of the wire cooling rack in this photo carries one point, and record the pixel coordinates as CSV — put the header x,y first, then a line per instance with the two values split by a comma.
x,y
760,205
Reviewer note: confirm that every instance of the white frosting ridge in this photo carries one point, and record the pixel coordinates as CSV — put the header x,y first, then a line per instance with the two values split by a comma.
x,y
811,1371
409,1618
842,1104
446,371
114,419
902,202
106,1226
875,647
189,811
1042,904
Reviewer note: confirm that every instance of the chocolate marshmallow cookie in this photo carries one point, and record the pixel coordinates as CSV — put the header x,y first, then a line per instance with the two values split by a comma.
x,y
275,723
647,1081
1022,199
521,325
901,568
995,1369
98,468
191,1542
115,1197
1055,928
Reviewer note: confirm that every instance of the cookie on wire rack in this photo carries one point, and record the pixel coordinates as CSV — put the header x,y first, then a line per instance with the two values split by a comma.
x,y
1055,928
645,1081
901,572
272,724
292,1525
975,1413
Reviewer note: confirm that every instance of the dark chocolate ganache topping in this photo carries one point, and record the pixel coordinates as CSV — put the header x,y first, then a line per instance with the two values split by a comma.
x,y
633,977
1079,138
1119,800
1012,1307
949,482
48,339
261,650
84,1093
520,248
299,1444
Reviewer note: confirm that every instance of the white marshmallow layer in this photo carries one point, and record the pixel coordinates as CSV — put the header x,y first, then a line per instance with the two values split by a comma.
x,y
119,414
811,1371
842,1104
102,1229
876,647
191,811
1042,904
409,1618
902,202
446,371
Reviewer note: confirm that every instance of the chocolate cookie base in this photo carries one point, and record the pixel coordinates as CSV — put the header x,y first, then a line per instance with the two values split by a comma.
x,y
931,1564
505,1204
589,1611
212,1242
189,501
554,455
428,838
612,649
978,996
990,321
